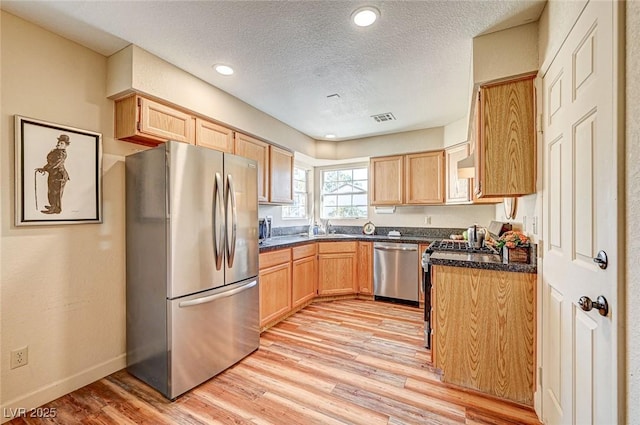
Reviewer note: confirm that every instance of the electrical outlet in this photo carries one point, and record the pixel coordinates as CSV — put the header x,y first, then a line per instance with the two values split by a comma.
x,y
535,225
19,357
427,219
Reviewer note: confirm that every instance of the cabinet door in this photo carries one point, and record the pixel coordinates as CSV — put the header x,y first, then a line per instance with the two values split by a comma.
x,y
458,190
365,268
165,122
489,349
281,182
275,292
424,178
213,136
257,150
506,151
304,280
336,273
386,175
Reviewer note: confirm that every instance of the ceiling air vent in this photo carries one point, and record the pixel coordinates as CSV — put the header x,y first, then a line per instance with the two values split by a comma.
x,y
388,116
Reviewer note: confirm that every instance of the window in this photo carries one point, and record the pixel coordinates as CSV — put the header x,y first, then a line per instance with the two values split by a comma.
x,y
344,193
299,209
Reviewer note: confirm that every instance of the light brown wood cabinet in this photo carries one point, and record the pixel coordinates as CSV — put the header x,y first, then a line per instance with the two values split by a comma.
x,y
275,285
255,149
506,143
337,268
386,176
214,136
484,330
305,276
424,178
147,122
458,190
275,168
365,268
281,176
411,179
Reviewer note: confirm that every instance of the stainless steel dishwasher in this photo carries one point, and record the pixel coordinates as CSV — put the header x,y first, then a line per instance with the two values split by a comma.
x,y
395,272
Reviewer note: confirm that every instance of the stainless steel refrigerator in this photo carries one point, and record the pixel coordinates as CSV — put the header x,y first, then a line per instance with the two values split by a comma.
x,y
192,264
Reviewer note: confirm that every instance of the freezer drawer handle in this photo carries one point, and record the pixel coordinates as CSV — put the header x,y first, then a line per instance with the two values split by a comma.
x,y
384,248
211,298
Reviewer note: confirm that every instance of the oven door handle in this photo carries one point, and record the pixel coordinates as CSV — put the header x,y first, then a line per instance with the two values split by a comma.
x,y
385,248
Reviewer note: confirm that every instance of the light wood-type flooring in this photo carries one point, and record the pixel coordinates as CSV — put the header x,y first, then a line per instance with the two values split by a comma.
x,y
341,362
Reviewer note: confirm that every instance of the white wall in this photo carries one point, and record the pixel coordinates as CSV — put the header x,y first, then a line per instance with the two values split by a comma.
x,y
504,53
633,206
136,69
62,292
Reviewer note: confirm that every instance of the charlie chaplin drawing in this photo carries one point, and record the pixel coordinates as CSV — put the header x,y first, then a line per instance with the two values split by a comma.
x,y
58,175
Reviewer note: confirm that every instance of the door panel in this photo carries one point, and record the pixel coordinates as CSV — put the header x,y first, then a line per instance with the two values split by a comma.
x,y
241,178
191,189
580,217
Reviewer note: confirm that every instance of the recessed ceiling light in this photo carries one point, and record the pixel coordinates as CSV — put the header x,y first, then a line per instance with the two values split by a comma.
x,y
223,69
330,136
365,16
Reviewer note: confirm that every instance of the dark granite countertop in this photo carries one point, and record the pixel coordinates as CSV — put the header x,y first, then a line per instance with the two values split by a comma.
x,y
480,261
279,242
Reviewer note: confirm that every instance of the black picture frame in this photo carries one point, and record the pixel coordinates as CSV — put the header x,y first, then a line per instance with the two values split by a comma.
x,y
58,174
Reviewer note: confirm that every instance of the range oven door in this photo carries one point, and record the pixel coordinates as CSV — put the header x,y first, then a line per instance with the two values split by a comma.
x,y
426,289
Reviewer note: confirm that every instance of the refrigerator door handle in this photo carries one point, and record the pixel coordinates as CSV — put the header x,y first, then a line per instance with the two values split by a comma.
x,y
218,234
211,298
231,245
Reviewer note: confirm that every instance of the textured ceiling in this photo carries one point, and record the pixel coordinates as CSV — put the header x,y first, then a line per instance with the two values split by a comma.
x,y
415,62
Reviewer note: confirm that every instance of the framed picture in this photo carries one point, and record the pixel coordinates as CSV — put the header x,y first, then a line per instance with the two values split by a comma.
x,y
58,174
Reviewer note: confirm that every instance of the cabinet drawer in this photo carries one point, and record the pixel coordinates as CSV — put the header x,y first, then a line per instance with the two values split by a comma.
x,y
273,258
324,247
304,251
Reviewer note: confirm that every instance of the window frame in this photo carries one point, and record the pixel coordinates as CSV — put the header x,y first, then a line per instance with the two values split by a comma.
x,y
344,167
307,193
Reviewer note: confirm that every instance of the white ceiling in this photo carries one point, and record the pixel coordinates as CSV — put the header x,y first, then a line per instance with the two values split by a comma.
x,y
414,62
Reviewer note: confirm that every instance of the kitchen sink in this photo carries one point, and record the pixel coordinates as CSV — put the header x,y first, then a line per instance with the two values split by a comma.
x,y
329,236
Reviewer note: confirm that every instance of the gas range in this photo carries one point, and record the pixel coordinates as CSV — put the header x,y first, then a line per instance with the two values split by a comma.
x,y
459,246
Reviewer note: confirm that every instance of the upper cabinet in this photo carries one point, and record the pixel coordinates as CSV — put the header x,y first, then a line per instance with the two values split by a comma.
x,y
281,181
214,136
412,179
257,150
424,178
458,190
147,122
386,175
506,144
275,168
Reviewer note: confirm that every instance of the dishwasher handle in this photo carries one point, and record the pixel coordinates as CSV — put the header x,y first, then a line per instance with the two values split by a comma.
x,y
387,248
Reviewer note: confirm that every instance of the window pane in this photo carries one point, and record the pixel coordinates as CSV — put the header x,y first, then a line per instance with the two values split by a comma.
x,y
299,174
330,200
345,175
359,199
328,212
361,211
299,186
360,174
360,185
344,200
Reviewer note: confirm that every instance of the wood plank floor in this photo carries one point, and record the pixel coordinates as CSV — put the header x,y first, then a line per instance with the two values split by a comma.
x,y
342,362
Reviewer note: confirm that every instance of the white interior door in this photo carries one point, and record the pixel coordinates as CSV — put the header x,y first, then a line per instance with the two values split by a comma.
x,y
580,218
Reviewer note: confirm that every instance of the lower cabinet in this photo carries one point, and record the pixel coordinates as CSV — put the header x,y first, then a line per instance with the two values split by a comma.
x,y
484,330
337,268
305,277
365,268
275,285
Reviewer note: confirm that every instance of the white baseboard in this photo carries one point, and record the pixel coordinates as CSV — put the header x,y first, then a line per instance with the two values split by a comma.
x,y
59,388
